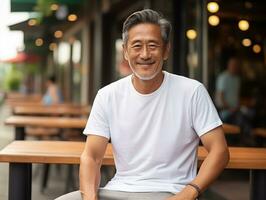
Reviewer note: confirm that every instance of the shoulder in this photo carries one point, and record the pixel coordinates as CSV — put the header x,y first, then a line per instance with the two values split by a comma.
x,y
182,83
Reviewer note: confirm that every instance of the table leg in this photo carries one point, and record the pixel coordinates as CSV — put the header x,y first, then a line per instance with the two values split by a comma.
x,y
46,169
258,184
20,133
19,181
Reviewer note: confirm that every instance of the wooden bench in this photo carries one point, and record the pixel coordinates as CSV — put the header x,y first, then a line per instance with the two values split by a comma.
x,y
260,132
13,103
52,110
20,122
23,97
21,154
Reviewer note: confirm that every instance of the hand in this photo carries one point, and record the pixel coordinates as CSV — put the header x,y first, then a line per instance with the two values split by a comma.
x,y
188,193
88,197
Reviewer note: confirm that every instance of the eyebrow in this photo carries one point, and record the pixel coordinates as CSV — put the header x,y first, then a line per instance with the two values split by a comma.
x,y
149,41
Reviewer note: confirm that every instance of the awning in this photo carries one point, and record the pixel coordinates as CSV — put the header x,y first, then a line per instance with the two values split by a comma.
x,y
24,58
29,31
23,5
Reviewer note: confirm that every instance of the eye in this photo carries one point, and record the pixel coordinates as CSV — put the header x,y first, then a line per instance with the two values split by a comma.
x,y
136,46
153,46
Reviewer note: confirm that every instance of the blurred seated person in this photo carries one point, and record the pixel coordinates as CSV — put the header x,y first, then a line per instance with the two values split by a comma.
x,y
228,91
52,95
228,97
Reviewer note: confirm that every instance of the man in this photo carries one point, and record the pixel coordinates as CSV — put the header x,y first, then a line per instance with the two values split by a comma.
x,y
154,120
228,91
227,100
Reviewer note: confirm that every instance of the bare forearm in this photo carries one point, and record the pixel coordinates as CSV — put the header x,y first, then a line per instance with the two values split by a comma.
x,y
212,166
209,170
89,176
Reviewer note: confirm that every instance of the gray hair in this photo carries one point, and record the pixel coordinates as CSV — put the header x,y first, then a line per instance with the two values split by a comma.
x,y
147,16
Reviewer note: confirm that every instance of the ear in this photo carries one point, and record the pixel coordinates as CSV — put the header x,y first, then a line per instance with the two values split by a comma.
x,y
125,54
166,51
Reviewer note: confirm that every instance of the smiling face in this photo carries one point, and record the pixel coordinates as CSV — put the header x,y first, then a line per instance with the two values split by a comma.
x,y
145,50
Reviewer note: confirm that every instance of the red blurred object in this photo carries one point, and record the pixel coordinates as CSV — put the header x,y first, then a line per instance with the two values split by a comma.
x,y
24,58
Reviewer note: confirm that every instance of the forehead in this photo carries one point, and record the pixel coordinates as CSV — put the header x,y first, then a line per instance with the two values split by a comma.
x,y
145,31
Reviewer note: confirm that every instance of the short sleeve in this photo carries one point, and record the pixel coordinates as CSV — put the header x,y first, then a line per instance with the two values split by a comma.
x,y
97,123
203,112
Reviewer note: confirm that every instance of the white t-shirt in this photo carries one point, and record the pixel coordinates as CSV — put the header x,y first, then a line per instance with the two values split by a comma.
x,y
154,136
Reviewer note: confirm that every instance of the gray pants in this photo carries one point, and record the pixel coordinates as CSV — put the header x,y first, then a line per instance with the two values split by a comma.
x,y
117,195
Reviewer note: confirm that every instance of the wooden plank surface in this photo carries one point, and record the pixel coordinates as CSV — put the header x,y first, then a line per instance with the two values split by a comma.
x,y
23,97
69,153
51,110
14,103
61,122
242,157
64,152
261,132
51,122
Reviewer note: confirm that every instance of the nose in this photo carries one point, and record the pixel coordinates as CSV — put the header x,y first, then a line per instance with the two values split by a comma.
x,y
145,53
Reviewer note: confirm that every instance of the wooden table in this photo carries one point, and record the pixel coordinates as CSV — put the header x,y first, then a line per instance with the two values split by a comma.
x,y
23,97
20,122
52,152
260,132
63,122
51,110
14,103
21,155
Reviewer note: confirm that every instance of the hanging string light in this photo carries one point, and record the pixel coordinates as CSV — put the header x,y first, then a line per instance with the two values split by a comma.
x,y
213,20
72,17
54,7
32,22
58,34
39,42
246,42
191,34
243,25
256,48
213,7
52,46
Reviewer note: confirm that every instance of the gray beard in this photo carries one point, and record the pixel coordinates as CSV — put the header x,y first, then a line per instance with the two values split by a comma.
x,y
144,78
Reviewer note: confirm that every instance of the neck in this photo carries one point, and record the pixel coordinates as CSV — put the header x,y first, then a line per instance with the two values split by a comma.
x,y
147,86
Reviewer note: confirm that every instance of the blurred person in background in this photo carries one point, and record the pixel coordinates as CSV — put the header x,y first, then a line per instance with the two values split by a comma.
x,y
53,94
228,91
228,87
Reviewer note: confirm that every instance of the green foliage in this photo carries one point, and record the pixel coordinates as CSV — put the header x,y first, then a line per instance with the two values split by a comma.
x,y
44,8
13,79
31,69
